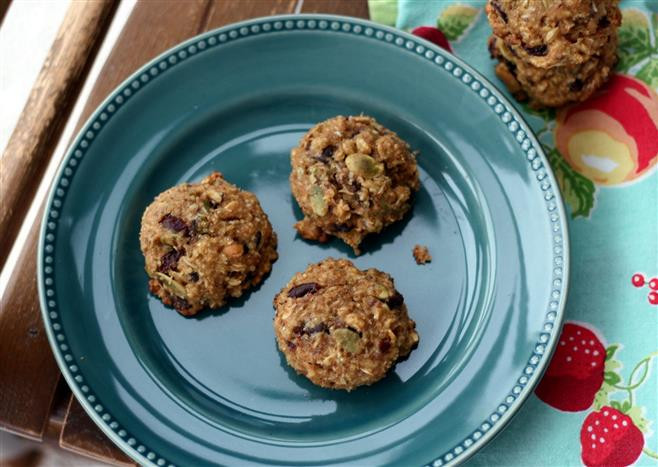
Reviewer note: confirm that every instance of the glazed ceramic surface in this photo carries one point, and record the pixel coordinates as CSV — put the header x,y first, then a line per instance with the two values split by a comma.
x,y
214,389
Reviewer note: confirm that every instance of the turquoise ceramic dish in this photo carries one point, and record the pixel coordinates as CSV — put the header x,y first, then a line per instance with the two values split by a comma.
x,y
214,389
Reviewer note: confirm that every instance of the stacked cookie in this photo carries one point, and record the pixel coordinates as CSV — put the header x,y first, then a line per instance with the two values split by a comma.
x,y
553,52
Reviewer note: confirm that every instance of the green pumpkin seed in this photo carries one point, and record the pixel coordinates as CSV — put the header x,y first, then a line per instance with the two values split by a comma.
x,y
382,292
171,285
348,339
318,204
168,239
364,165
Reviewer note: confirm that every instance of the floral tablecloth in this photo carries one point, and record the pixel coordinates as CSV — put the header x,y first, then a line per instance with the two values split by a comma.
x,y
599,397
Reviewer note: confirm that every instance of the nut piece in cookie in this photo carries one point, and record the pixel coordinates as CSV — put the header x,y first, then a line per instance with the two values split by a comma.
x,y
204,243
351,177
422,254
342,327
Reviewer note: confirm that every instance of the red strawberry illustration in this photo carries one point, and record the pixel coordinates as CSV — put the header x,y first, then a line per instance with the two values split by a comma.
x,y
434,35
638,280
575,373
609,438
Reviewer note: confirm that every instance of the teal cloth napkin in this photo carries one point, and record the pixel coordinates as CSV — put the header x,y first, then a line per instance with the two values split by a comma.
x,y
603,153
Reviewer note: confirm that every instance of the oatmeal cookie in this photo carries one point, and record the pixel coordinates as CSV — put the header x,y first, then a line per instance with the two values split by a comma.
x,y
557,86
204,243
351,177
548,33
342,327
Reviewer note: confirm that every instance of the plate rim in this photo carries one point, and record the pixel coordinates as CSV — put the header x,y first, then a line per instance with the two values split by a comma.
x,y
487,91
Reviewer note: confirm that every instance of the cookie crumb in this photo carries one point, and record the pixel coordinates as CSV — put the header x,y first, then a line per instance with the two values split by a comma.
x,y
422,254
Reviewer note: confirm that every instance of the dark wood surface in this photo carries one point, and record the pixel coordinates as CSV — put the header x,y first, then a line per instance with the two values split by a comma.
x,y
28,370
358,8
153,27
4,6
51,100
81,435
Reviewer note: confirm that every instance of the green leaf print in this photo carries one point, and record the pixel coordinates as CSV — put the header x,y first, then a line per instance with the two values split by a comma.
x,y
384,11
610,351
611,378
455,19
634,39
601,399
625,406
578,191
612,365
637,415
649,73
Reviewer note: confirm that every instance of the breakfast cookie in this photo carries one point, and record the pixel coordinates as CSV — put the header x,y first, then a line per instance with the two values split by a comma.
x,y
342,327
557,86
351,177
204,243
548,33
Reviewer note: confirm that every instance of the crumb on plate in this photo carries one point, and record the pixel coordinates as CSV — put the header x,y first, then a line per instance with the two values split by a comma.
x,y
422,254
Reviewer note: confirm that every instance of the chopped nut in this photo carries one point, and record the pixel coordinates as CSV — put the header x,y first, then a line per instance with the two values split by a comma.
x,y
551,34
421,254
319,144
382,292
349,146
233,250
235,281
414,337
216,197
168,239
362,146
232,206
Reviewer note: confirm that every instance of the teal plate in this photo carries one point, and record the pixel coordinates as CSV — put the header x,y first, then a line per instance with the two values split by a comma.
x,y
214,389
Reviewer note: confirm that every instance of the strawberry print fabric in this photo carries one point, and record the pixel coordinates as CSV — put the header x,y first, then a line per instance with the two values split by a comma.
x,y
598,401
